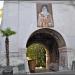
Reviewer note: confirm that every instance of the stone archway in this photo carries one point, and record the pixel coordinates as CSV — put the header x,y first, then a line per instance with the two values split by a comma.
x,y
55,45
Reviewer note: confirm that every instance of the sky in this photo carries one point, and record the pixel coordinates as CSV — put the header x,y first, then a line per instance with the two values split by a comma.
x,y
1,12
1,4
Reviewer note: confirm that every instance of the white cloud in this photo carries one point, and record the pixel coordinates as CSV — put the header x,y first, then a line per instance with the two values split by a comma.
x,y
1,4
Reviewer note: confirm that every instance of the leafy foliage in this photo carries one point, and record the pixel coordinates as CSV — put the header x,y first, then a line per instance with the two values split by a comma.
x,y
37,51
41,57
31,52
7,32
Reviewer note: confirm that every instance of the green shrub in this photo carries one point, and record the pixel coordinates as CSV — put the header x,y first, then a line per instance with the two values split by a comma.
x,y
37,51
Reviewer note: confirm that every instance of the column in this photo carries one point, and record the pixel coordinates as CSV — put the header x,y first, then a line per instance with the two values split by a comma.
x,y
47,59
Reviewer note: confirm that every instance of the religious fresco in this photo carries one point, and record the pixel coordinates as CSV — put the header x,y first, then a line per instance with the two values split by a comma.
x,y
44,15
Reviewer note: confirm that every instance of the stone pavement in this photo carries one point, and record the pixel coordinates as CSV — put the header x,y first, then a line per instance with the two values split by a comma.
x,y
68,72
55,73
49,73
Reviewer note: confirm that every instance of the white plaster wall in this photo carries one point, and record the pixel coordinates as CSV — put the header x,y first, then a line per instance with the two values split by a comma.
x,y
64,23
23,20
10,19
27,22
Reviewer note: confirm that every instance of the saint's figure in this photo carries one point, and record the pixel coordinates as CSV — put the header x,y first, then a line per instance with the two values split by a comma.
x,y
44,17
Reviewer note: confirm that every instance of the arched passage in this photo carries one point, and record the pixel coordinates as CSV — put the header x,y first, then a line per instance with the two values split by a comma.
x,y
53,41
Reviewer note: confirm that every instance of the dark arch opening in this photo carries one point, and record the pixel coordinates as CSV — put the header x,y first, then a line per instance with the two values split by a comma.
x,y
49,38
46,34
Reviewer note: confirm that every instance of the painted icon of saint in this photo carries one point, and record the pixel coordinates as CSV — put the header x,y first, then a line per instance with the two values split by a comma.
x,y
44,18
